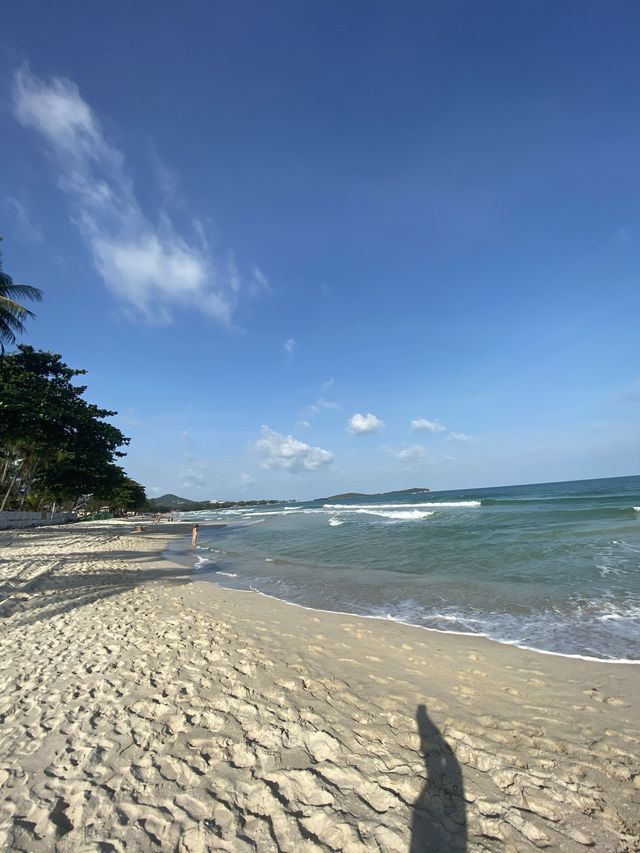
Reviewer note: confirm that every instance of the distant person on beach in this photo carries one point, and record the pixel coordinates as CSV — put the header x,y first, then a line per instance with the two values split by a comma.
x,y
194,535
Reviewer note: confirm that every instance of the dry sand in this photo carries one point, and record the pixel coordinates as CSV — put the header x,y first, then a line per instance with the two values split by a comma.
x,y
143,711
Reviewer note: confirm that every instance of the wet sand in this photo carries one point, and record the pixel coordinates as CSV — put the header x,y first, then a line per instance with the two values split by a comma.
x,y
145,711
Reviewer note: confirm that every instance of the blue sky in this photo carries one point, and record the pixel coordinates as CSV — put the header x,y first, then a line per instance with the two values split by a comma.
x,y
312,247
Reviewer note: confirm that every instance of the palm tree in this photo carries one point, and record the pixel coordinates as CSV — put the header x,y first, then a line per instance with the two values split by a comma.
x,y
12,313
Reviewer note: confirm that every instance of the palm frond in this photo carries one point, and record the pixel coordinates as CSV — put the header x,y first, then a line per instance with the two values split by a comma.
x,y
24,291
12,313
9,306
9,328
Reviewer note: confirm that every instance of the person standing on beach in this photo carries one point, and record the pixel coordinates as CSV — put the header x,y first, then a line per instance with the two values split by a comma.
x,y
194,535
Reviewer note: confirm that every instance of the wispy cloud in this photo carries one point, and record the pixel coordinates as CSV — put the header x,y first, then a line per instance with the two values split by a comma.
x,y
321,404
289,454
632,394
259,283
414,454
622,236
194,476
328,384
362,424
245,480
423,425
290,345
129,418
147,265
26,229
459,436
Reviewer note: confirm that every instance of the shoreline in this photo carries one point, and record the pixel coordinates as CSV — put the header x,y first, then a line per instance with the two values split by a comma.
x,y
386,619
147,709
391,619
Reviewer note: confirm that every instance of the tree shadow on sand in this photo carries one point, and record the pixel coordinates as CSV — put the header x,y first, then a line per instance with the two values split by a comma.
x,y
72,583
439,823
54,595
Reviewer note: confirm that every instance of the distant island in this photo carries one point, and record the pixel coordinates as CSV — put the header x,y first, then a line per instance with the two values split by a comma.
x,y
347,495
173,503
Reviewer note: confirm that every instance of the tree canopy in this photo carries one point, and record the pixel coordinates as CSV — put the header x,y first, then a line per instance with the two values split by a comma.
x,y
55,446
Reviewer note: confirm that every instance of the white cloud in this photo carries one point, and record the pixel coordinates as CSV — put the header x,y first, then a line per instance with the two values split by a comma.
x,y
321,404
245,480
423,425
415,454
303,424
328,384
149,266
287,453
459,436
362,424
289,345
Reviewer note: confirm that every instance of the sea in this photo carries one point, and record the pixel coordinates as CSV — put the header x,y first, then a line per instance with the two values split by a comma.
x,y
553,567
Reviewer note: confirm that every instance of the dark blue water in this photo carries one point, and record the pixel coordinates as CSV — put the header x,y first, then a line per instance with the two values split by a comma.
x,y
554,566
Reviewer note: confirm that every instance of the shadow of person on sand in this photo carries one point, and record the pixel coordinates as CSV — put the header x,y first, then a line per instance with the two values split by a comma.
x,y
439,822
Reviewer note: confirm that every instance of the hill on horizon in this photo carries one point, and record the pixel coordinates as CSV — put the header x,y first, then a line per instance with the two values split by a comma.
x,y
174,501
347,495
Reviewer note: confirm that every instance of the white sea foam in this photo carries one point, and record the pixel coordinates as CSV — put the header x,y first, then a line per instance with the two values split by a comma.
x,y
268,559
423,505
228,574
280,512
335,522
637,508
397,512
408,515
475,634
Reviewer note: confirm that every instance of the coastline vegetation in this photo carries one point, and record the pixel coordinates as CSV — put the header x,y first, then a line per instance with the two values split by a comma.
x,y
57,450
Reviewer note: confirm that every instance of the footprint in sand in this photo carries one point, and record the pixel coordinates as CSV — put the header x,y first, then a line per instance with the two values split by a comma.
x,y
597,696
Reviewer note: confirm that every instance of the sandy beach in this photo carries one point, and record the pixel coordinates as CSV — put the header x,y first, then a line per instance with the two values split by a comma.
x,y
142,710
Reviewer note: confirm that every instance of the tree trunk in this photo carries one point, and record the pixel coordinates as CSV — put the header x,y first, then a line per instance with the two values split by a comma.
x,y
6,467
8,492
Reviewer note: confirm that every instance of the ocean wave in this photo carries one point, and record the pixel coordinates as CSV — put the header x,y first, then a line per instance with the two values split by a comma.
x,y
408,515
282,512
556,499
401,506
335,522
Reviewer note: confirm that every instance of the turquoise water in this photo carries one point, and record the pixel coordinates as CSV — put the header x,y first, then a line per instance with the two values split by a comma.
x,y
554,566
